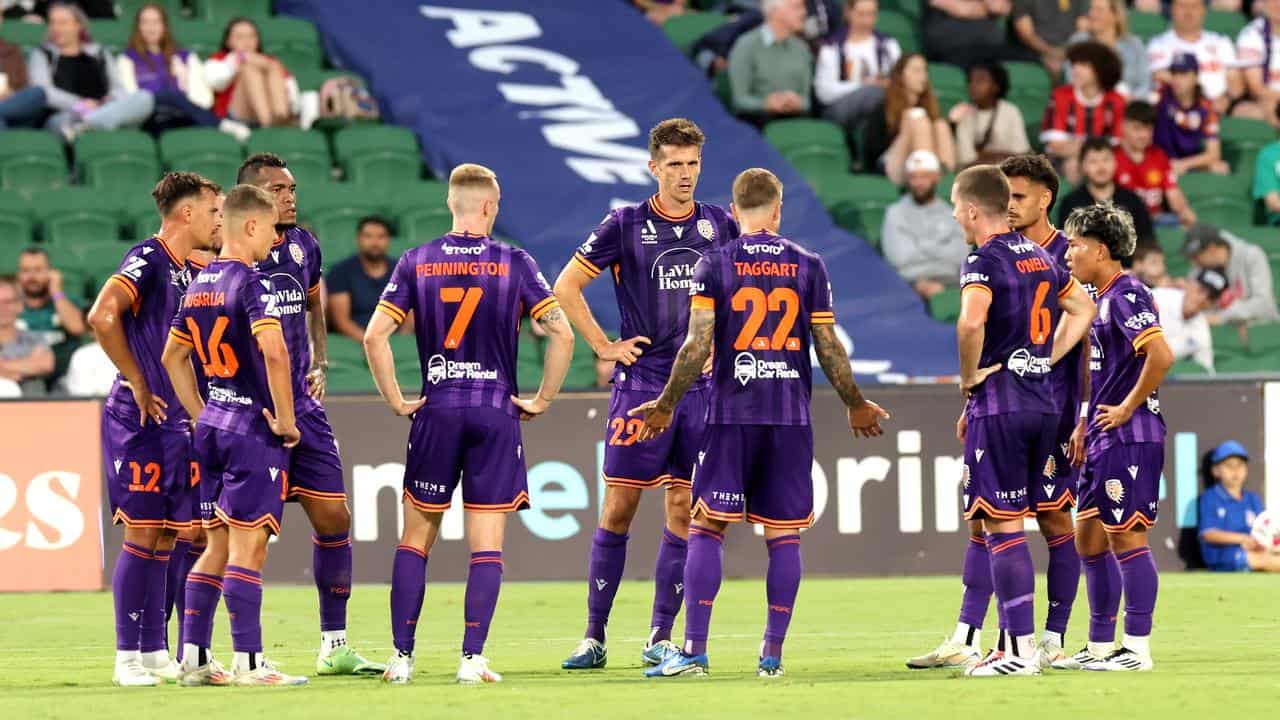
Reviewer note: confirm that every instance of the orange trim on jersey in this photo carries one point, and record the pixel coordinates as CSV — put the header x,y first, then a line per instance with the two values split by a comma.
x,y
278,241
295,491
130,288
656,206
544,307
1137,519
233,575
425,507
121,518
1147,336
781,524
1006,545
167,251
266,521
1064,502
701,507
313,289
1108,284
265,324
673,481
586,265
520,503
1086,514
980,505
1053,233
180,338
212,523
330,543
1061,539
416,551
137,553
633,483
197,577
702,302
822,318
1066,289
197,264
978,287
391,311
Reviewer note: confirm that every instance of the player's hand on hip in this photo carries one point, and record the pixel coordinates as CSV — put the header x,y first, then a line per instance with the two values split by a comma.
x,y
1111,417
865,419
406,408
1075,447
967,385
317,382
530,409
289,435
624,351
150,407
656,420
962,427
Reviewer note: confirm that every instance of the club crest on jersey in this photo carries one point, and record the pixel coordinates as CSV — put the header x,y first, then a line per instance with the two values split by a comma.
x,y
1115,490
964,477
706,229
295,252
1050,467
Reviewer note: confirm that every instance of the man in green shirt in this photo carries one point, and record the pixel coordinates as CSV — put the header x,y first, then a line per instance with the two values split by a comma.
x,y
1266,181
47,310
771,67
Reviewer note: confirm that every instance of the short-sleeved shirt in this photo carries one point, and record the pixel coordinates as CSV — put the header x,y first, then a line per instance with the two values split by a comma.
x,y
651,255
1214,53
45,322
1025,283
294,267
349,277
1266,176
1127,320
1181,131
1054,20
767,293
154,279
1256,47
468,294
1220,511
227,304
1149,177
1068,115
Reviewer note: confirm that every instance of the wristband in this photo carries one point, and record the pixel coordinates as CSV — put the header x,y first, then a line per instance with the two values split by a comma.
x,y
1084,411
59,296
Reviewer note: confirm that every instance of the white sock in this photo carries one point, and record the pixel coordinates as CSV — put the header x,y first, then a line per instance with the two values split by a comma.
x,y
1022,646
124,656
1054,637
155,659
190,656
240,663
331,640
967,635
1101,649
1140,644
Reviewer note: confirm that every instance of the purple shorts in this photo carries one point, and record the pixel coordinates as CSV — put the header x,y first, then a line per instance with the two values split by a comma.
x,y
761,473
481,446
148,473
244,478
667,459
315,469
1007,459
1121,486
1056,490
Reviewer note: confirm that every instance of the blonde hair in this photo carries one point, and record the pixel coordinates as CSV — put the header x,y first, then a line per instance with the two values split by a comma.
x,y
756,188
244,199
465,182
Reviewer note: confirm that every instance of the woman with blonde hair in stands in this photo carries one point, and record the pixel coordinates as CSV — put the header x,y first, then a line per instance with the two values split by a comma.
x,y
248,84
1108,23
173,75
911,121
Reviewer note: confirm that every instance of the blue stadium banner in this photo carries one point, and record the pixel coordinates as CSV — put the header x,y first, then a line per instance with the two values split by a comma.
x,y
557,96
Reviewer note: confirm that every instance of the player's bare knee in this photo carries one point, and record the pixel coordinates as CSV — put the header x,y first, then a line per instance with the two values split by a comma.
x,y
420,528
620,506
1091,539
1126,541
975,527
1054,523
678,502
145,537
330,518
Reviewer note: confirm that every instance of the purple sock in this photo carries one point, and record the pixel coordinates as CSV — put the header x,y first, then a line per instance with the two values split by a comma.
x,y
608,558
174,587
1063,579
703,570
408,587
331,564
668,585
483,582
153,631
781,585
977,583
1014,579
129,588
180,600
1102,582
1141,582
242,589
200,605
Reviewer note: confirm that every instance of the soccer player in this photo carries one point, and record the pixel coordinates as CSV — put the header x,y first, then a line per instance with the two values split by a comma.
x,y
230,319
468,293
1120,484
1033,186
1009,336
650,250
756,301
144,431
294,267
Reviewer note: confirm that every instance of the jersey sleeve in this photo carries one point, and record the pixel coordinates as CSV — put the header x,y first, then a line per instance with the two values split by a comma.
x,y
704,293
602,247
258,304
1066,281
398,293
1133,312
976,273
315,270
140,273
535,292
818,295
178,330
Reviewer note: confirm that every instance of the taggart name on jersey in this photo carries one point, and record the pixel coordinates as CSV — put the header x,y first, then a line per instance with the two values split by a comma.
x,y
765,267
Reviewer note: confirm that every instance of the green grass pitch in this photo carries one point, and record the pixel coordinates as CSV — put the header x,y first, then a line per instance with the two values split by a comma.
x,y
1214,647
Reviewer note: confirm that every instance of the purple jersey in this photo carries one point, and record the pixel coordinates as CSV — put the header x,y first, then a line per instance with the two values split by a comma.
x,y
202,381
468,294
294,267
1065,376
154,279
1180,131
226,306
1024,282
652,255
1127,320
767,292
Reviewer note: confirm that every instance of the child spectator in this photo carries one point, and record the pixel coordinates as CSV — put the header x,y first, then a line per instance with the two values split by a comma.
x,y
1227,512
1182,315
1098,168
1145,169
1258,54
1150,268
1186,123
1088,106
988,127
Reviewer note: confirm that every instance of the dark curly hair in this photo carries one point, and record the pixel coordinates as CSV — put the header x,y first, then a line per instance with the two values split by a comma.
x,y
1104,61
998,74
1105,223
1035,168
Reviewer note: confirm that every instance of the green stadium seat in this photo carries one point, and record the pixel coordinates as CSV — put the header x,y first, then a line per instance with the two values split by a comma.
x,y
408,368
685,30
1029,88
1148,25
378,155
71,216
911,8
93,259
1242,140
213,154
945,306
32,173
306,152
111,34
1224,22
311,78
205,38
723,90
218,12
949,85
17,226
901,27
333,210
348,371
582,370
24,141
1187,368
1202,188
23,34
117,159
424,225
529,354
425,194
811,146
857,203
293,40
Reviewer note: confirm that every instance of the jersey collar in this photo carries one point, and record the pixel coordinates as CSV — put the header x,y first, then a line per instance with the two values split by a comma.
x,y
168,251
655,206
1109,283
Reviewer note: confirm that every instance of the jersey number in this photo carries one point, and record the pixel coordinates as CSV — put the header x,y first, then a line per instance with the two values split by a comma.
x,y
631,428
470,298
218,359
1041,320
779,299
152,471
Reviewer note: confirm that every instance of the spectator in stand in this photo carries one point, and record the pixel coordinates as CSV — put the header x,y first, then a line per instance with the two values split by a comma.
x,y
25,359
988,127
1145,169
249,85
13,69
1266,181
1186,123
1044,27
1219,77
962,32
853,68
1098,166
911,121
174,76
1183,315
74,85
355,284
1258,55
660,11
1108,23
1227,512
1250,297
1149,267
921,239
1087,107
771,68
47,310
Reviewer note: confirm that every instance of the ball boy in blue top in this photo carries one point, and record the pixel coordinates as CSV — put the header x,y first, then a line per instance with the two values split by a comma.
x,y
1227,512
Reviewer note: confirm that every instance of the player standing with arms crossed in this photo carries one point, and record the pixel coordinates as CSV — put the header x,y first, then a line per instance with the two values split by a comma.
x,y
1120,484
145,440
652,249
756,300
468,294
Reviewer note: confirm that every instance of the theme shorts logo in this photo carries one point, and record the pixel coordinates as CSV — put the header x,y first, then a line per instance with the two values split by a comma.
x,y
747,367
1115,490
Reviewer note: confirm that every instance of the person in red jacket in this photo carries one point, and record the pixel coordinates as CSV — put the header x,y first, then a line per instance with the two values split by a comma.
x,y
1087,107
249,85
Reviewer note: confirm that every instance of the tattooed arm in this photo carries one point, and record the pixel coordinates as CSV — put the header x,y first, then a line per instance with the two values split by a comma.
x,y
688,367
864,415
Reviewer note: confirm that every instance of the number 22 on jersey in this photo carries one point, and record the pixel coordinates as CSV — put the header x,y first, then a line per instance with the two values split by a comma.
x,y
758,305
